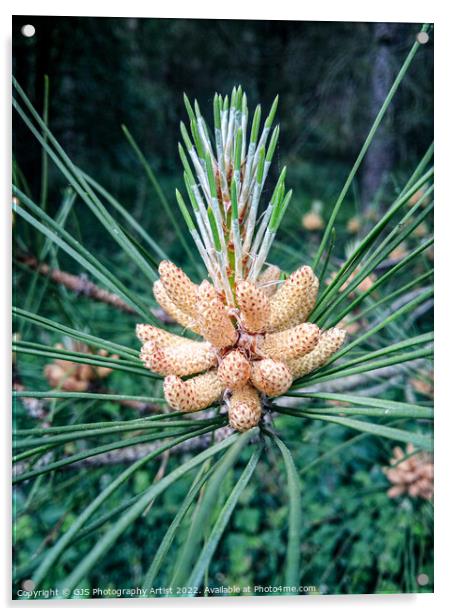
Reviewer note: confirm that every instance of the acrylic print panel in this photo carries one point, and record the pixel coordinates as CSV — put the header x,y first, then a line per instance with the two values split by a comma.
x,y
223,308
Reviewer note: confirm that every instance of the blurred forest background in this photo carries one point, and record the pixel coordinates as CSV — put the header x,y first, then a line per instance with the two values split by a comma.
x,y
332,77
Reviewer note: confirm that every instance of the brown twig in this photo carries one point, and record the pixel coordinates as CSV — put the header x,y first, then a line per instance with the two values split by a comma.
x,y
83,286
143,408
78,284
123,456
159,476
390,375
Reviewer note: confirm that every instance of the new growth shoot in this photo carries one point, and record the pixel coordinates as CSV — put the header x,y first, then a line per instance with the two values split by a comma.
x,y
224,177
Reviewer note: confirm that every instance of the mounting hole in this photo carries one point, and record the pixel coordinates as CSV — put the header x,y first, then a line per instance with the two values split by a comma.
x,y
28,585
28,30
422,579
422,38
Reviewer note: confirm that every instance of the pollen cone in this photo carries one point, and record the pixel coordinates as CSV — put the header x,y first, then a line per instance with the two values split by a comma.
x,y
291,343
181,317
330,341
148,333
293,300
180,360
234,370
102,371
308,306
272,378
194,394
245,409
268,280
214,322
180,289
254,306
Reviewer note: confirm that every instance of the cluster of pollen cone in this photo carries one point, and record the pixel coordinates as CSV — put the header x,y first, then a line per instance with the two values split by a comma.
x,y
251,351
411,473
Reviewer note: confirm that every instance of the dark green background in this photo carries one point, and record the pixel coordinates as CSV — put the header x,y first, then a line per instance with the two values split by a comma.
x,y
331,76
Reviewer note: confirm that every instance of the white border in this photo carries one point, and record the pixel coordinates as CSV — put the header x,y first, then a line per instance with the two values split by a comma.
x,y
346,10
383,10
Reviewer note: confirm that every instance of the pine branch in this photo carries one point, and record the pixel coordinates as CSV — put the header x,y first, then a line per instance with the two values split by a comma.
x,y
132,454
81,285
356,381
78,284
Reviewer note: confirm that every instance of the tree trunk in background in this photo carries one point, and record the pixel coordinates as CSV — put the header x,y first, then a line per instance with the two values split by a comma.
x,y
380,158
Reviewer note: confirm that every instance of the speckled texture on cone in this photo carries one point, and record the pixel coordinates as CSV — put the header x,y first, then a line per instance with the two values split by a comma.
x,y
194,394
234,370
291,343
254,306
269,279
272,378
214,322
313,291
245,408
170,307
329,342
181,360
149,333
257,348
308,307
180,289
292,300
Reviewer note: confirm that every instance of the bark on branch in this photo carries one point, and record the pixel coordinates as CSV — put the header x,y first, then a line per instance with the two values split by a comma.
x,y
78,284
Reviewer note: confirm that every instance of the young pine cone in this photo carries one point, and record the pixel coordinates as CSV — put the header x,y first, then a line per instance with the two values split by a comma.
x,y
249,351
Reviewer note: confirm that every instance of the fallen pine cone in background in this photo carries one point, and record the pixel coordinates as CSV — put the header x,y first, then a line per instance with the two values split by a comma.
x,y
351,328
312,220
413,476
362,287
421,230
256,349
71,376
423,383
399,253
354,225
418,195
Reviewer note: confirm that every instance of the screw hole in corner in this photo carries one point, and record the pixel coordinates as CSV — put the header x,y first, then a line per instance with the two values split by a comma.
x,y
422,38
28,30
